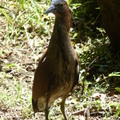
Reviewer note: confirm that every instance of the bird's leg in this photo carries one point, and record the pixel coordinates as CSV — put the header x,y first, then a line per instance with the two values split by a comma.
x,y
46,109
63,107
46,112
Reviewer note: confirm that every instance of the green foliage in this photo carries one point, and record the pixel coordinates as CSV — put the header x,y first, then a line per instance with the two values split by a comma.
x,y
117,89
114,74
2,10
88,19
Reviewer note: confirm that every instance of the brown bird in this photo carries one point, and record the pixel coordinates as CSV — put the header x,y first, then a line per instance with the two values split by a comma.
x,y
58,69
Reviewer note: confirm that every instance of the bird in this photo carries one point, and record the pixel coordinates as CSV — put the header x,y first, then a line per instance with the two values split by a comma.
x,y
57,72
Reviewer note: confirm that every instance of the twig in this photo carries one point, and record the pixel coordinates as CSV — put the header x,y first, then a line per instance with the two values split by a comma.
x,y
85,74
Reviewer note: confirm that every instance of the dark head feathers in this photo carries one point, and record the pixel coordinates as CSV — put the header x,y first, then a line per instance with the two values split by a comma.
x,y
54,2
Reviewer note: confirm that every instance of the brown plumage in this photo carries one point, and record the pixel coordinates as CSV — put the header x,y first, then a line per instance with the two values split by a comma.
x,y
58,69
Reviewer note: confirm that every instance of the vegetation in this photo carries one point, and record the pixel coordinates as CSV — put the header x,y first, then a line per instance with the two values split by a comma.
x,y
24,35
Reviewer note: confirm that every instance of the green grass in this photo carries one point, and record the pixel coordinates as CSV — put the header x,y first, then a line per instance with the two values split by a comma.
x,y
24,35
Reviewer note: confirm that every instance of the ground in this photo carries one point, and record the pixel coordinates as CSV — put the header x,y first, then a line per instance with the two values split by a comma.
x,y
24,35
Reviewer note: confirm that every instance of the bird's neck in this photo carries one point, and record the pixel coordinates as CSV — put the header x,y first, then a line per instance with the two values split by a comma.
x,y
61,30
60,41
63,22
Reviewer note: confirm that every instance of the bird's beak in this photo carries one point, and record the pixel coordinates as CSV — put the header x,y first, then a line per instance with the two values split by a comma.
x,y
51,9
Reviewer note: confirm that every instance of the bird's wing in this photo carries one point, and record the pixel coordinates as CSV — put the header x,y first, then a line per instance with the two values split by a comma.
x,y
43,76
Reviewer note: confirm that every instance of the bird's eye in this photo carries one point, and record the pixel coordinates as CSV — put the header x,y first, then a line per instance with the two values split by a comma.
x,y
60,5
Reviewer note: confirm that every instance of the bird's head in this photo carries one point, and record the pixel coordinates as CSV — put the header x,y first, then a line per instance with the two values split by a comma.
x,y
58,7
61,10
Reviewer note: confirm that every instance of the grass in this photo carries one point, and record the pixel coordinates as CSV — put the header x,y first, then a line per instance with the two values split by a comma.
x,y
24,35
